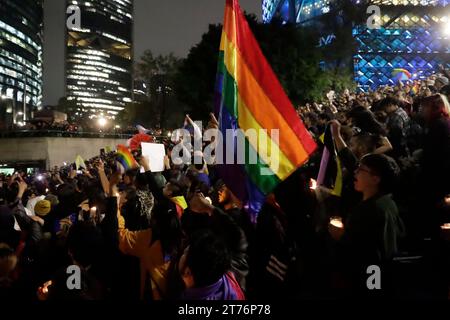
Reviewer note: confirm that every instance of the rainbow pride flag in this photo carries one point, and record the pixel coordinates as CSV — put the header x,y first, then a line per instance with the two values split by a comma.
x,y
249,96
401,74
125,158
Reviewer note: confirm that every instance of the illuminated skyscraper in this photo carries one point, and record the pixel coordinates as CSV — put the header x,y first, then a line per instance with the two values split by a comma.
x,y
414,35
99,57
21,25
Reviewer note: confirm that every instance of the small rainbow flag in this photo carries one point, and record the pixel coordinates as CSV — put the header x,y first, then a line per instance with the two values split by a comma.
x,y
401,74
125,158
249,96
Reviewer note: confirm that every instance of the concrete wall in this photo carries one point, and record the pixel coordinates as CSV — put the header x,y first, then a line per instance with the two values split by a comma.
x,y
54,151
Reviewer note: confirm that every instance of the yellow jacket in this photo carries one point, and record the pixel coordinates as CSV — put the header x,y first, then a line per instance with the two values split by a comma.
x,y
152,265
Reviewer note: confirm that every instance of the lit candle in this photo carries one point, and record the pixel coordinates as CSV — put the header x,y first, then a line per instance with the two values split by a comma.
x,y
337,222
45,286
445,226
93,211
447,200
313,184
445,231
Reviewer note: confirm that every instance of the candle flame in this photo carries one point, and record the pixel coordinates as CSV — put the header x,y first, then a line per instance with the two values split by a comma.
x,y
337,223
313,184
447,200
46,285
445,226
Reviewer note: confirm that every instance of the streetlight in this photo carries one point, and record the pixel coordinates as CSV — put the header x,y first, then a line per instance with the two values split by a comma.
x,y
447,27
101,122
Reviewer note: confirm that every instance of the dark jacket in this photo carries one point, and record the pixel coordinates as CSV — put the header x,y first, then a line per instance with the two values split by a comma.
x,y
398,124
32,229
349,195
371,232
161,202
436,160
271,255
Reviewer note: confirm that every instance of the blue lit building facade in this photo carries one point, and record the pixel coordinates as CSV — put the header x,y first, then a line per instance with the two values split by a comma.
x,y
21,25
413,35
99,57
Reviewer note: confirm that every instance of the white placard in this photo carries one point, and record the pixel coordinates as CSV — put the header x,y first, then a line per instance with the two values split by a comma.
x,y
155,153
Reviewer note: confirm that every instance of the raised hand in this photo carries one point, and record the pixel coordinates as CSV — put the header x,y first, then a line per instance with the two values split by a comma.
x,y
200,204
166,162
22,185
100,165
144,162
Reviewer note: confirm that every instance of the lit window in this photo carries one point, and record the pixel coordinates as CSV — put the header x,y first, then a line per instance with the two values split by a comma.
x,y
114,37
10,93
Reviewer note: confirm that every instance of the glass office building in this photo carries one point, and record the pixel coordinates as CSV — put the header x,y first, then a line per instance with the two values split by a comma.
x,y
21,25
99,57
414,35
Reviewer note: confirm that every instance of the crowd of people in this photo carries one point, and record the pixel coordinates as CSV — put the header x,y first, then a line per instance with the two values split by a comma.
x,y
63,126
183,234
70,127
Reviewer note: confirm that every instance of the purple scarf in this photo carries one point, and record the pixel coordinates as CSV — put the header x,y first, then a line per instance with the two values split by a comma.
x,y
225,289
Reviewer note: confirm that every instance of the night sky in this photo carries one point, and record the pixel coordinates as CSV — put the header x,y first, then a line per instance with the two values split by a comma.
x,y
162,26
